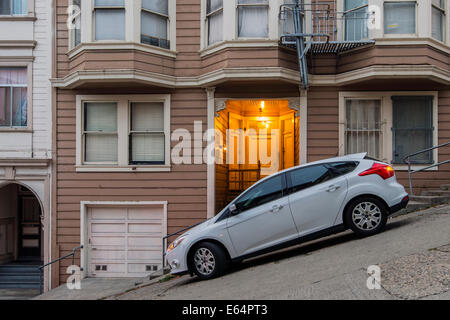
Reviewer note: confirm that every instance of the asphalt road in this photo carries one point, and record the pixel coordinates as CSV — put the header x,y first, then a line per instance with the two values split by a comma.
x,y
413,255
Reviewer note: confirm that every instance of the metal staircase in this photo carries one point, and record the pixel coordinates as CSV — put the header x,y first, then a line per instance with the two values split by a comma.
x,y
312,26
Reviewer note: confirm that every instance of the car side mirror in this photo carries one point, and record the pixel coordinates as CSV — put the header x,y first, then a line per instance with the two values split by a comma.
x,y
233,209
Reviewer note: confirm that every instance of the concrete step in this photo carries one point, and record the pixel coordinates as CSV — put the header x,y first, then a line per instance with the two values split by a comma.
x,y
432,200
416,206
445,187
18,269
24,285
19,277
440,193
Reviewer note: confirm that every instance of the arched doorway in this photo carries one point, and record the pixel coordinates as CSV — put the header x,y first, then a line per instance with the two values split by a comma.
x,y
21,237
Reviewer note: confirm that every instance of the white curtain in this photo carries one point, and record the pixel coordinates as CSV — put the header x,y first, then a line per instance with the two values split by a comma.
x,y
363,127
13,76
400,17
253,20
437,23
147,138
101,139
110,24
153,25
215,28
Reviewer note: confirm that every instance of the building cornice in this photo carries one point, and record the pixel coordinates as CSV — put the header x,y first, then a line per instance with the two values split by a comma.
x,y
8,44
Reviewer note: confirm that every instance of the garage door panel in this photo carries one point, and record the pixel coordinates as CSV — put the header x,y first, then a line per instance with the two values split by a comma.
x,y
125,241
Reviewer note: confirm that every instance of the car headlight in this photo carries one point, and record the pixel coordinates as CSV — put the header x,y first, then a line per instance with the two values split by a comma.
x,y
175,244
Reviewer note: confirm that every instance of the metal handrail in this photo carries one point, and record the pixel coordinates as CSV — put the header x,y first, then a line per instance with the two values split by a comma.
x,y
171,235
41,268
407,160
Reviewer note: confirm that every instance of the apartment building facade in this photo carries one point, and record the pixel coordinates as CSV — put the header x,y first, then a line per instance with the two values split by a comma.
x,y
132,76
25,132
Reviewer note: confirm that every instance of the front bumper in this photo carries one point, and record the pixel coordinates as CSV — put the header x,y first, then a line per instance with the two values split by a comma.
x,y
176,261
400,205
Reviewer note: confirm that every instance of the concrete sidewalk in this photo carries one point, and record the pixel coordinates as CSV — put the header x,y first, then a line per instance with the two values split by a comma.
x,y
413,254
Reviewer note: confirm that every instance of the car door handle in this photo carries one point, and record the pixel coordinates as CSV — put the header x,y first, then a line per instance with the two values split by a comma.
x,y
333,188
276,208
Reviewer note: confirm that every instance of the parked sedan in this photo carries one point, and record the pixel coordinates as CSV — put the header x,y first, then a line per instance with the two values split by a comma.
x,y
292,206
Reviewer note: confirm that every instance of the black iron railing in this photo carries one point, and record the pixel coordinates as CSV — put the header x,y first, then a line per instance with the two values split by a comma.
x,y
41,268
407,160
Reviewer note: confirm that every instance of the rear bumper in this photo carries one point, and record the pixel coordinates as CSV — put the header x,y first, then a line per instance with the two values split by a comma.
x,y
400,205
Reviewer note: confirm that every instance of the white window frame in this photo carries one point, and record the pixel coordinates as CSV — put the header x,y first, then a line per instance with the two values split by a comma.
x,y
386,121
345,12
417,21
207,16
72,32
142,9
94,8
268,5
132,30
29,67
443,11
123,129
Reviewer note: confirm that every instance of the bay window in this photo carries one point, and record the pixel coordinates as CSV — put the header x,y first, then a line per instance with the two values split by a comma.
x,y
214,17
109,16
438,19
253,18
13,7
154,23
13,97
355,18
400,17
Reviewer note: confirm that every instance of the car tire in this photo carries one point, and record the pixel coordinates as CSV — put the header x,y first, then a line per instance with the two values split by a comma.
x,y
366,216
208,261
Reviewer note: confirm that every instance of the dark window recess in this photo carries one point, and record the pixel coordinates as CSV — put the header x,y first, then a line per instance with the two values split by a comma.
x,y
412,128
265,192
101,268
307,177
341,168
162,43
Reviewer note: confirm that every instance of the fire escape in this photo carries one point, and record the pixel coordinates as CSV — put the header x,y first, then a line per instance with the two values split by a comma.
x,y
317,27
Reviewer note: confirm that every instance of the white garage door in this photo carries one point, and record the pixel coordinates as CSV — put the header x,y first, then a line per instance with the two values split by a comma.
x,y
124,241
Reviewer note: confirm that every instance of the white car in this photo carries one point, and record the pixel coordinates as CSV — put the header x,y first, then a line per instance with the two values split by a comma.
x,y
299,204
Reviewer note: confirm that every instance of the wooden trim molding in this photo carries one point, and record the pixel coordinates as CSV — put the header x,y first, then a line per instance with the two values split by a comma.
x,y
18,44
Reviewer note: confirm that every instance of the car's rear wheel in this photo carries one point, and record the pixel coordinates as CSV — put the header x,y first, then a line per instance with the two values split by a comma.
x,y
366,216
208,260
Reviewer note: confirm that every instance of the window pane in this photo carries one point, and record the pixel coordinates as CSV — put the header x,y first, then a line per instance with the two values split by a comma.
x,y
19,107
356,25
5,7
153,25
147,117
215,28
109,24
363,129
400,17
439,3
253,1
109,3
437,24
13,76
351,4
267,191
5,106
413,132
100,148
213,5
20,6
307,177
253,21
341,168
160,6
100,117
147,148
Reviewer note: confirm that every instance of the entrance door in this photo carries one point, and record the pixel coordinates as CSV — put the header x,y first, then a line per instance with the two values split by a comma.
x,y
29,227
288,147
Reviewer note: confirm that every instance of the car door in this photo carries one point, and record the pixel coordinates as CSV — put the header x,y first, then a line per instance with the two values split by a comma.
x,y
316,194
263,217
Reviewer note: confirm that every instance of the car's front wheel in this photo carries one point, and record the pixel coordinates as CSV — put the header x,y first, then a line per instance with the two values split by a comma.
x,y
208,260
366,216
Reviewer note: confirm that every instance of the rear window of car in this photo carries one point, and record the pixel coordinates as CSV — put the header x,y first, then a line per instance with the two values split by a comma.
x,y
341,168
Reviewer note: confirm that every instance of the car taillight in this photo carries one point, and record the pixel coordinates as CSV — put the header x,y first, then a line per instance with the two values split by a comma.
x,y
383,170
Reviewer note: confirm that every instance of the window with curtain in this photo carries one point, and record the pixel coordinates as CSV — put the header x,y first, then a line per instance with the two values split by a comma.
x,y
76,23
147,136
355,19
154,23
363,127
13,97
100,132
109,18
437,19
412,128
400,17
214,18
253,18
13,7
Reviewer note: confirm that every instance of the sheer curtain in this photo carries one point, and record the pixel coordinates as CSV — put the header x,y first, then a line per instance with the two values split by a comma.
x,y
13,100
363,129
400,17
215,21
253,18
109,23
437,19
